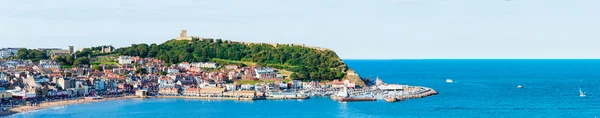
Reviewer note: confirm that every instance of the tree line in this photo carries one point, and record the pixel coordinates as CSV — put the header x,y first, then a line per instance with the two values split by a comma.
x,y
307,63
39,54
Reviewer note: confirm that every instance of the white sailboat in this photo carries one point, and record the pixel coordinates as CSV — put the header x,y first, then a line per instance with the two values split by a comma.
x,y
581,93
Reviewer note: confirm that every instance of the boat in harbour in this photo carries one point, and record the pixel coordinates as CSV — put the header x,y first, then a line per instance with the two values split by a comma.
x,y
344,95
389,99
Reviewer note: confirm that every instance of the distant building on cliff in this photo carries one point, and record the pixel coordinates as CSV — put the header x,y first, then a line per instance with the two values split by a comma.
x,y
183,36
107,49
56,52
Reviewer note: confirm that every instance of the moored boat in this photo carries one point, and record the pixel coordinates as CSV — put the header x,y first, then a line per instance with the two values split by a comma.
x,y
389,99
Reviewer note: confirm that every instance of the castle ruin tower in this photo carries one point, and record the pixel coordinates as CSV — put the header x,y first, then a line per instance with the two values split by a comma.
x,y
183,36
71,49
183,33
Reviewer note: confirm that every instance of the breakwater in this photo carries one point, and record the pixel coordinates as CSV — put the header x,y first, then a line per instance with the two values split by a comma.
x,y
425,93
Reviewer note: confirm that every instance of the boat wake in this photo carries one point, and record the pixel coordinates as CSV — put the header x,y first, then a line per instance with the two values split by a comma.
x,y
474,84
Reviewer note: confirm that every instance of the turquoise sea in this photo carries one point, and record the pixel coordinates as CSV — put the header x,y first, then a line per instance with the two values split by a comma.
x,y
481,88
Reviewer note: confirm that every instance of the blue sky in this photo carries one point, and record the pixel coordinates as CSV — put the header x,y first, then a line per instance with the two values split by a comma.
x,y
355,29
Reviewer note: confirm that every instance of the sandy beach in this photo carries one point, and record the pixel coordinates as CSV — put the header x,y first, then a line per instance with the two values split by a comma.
x,y
20,109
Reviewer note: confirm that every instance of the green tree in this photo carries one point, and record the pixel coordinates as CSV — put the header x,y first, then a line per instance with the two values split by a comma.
x,y
97,67
81,61
23,54
308,63
30,54
69,60
108,67
294,76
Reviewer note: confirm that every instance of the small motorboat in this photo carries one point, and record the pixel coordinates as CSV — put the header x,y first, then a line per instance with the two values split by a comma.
x,y
449,81
389,99
519,86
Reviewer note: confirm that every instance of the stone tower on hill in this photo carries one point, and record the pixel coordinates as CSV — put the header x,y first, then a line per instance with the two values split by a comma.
x,y
183,36
71,49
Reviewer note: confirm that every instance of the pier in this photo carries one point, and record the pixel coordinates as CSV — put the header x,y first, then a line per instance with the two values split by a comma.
x,y
387,92
339,94
411,92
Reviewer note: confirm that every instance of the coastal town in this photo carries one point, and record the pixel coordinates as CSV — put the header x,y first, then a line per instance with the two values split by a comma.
x,y
25,82
38,83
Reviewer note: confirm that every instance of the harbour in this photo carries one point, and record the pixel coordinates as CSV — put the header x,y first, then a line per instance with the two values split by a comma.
x,y
380,91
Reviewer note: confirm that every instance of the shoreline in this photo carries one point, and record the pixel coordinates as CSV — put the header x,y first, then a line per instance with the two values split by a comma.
x,y
45,105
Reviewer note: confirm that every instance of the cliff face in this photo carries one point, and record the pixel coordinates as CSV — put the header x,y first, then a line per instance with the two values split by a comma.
x,y
354,77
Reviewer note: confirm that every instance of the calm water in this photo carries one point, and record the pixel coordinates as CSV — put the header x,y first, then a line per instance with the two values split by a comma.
x,y
481,88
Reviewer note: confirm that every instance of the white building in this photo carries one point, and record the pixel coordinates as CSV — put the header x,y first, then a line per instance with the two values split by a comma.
x,y
230,87
3,77
185,65
205,65
296,84
78,84
247,87
9,52
125,60
283,85
173,71
166,82
49,64
265,73
307,86
231,67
